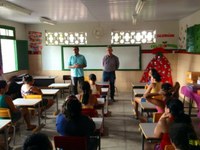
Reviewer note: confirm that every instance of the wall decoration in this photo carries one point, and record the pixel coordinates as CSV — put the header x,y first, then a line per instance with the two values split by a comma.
x,y
164,44
35,42
193,39
161,64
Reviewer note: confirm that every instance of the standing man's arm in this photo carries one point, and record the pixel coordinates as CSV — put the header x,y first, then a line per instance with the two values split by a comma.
x,y
70,65
117,63
84,63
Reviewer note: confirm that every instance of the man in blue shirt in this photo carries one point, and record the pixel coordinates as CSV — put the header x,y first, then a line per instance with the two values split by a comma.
x,y
76,63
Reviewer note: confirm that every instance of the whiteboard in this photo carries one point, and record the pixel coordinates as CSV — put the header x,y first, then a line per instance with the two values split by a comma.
x,y
146,58
129,56
51,58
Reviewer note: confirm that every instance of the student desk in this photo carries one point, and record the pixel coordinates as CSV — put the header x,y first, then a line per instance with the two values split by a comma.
x,y
99,125
104,93
21,102
100,105
147,107
137,93
3,126
147,131
54,94
137,86
43,80
103,84
188,92
60,86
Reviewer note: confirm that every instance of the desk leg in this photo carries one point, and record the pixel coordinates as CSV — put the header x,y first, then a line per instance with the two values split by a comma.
x,y
142,142
6,137
57,110
39,111
190,107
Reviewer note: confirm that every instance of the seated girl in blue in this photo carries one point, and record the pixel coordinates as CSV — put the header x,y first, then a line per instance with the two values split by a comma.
x,y
72,123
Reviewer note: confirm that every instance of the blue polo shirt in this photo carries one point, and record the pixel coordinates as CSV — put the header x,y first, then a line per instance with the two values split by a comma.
x,y
77,59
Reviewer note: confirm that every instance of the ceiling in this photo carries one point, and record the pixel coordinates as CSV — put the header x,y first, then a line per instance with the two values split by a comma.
x,y
71,11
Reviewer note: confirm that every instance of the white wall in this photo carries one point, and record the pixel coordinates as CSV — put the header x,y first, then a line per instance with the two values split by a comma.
x,y
124,78
19,29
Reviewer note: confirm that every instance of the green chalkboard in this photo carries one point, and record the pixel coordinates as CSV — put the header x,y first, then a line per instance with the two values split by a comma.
x,y
22,54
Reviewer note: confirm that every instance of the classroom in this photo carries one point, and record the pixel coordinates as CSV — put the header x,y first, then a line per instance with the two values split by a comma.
x,y
41,36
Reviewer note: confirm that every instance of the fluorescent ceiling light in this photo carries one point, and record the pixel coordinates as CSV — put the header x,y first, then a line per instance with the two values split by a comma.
x,y
14,7
134,19
139,6
47,21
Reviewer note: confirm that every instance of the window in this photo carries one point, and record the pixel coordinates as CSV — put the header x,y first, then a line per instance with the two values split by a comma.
x,y
60,38
133,37
8,55
8,49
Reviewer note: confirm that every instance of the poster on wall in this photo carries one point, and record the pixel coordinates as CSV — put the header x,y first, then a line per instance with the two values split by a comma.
x,y
35,42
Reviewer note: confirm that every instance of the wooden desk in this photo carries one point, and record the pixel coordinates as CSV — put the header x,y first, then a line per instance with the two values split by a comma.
x,y
60,86
44,80
147,130
54,94
3,126
21,102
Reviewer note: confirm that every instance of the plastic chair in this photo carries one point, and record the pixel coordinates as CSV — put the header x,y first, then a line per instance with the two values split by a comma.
x,y
67,79
169,147
70,143
175,90
5,114
156,116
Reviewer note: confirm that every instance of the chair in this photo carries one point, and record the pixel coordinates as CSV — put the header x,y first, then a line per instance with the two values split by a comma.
x,y
5,114
156,116
169,147
70,143
67,79
175,90
33,96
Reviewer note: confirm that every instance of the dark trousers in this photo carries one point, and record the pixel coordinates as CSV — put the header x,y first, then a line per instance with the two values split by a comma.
x,y
75,81
110,76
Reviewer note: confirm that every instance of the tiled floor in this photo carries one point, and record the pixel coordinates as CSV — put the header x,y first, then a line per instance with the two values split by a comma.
x,y
121,129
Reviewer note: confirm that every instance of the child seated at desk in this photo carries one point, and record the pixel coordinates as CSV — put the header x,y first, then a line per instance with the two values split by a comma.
x,y
71,122
174,113
6,102
96,89
154,87
88,100
28,88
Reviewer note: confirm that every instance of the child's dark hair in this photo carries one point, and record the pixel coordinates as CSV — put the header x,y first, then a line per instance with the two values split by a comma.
x,y
3,84
72,107
86,92
183,136
27,78
92,77
37,141
176,108
155,75
167,88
